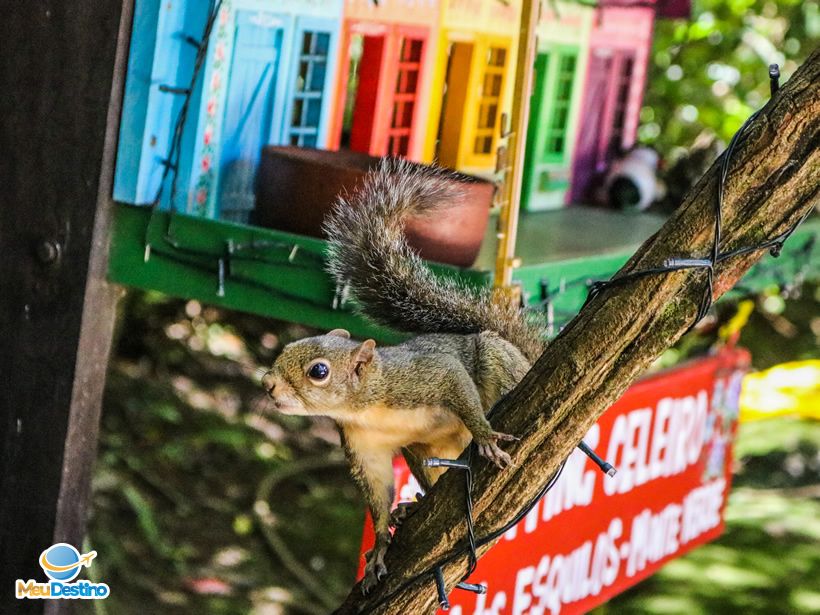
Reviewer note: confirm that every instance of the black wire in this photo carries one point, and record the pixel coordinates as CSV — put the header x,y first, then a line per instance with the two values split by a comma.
x,y
468,548
237,278
171,163
172,160
774,245
238,252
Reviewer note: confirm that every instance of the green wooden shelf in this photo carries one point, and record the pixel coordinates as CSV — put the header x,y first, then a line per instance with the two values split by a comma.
x,y
282,276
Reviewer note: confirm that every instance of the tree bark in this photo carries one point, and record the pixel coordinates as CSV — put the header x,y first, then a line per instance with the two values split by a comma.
x,y
774,180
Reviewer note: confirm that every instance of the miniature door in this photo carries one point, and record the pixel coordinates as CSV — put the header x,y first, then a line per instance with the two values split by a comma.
x,y
248,110
604,110
456,86
489,102
471,112
160,64
549,140
364,81
383,87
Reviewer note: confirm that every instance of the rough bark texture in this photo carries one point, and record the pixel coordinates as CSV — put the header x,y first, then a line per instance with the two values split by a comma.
x,y
774,180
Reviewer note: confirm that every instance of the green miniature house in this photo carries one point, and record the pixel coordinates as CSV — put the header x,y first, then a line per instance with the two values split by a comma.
x,y
560,65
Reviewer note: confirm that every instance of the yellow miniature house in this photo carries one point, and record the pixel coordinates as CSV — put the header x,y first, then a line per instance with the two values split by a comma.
x,y
475,62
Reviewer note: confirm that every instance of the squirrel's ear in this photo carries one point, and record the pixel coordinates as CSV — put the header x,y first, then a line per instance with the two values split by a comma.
x,y
362,356
340,333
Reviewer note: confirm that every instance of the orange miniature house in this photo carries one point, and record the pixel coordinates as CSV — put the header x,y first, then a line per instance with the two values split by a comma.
x,y
385,70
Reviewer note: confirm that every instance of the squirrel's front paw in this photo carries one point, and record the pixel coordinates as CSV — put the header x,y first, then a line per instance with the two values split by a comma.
x,y
374,570
402,511
489,448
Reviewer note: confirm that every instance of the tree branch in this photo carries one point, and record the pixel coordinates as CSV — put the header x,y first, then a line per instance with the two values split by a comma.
x,y
774,180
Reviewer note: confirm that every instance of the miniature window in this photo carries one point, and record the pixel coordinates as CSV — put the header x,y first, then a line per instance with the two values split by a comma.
x,y
559,121
404,97
490,100
310,84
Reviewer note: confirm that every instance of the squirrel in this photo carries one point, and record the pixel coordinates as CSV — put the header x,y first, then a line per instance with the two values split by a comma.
x,y
428,396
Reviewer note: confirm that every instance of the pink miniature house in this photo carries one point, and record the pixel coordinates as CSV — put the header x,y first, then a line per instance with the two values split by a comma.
x,y
620,40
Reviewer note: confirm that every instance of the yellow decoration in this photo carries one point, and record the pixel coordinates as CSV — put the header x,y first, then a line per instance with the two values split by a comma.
x,y
738,321
791,389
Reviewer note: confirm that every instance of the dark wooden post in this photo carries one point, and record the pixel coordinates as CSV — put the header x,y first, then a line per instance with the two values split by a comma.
x,y
61,80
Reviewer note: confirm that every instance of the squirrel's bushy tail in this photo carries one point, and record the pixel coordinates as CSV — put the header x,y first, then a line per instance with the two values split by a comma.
x,y
368,252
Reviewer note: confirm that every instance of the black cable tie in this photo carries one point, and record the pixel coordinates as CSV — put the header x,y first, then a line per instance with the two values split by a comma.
x,y
170,89
220,288
544,289
774,78
476,588
606,467
229,250
443,602
166,162
191,40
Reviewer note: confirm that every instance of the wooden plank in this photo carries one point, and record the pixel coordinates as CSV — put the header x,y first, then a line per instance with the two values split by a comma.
x,y
61,97
273,280
562,248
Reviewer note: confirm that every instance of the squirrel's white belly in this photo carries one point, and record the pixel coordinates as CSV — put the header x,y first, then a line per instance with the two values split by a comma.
x,y
386,427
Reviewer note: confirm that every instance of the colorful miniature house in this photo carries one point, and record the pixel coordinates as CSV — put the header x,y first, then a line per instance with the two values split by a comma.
x,y
560,67
472,84
620,41
384,76
160,64
268,75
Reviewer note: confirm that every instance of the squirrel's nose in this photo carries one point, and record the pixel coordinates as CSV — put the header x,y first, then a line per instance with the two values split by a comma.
x,y
269,382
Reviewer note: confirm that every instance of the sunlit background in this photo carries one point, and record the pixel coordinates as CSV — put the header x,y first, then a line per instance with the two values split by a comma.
x,y
206,502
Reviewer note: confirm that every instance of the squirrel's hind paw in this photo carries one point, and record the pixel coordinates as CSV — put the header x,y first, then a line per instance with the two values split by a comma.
x,y
375,570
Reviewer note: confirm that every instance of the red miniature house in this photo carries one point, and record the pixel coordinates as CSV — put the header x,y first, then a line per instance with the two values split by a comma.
x,y
384,75
613,93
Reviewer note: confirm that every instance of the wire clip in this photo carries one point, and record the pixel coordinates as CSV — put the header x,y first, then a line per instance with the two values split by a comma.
x,y
606,467
476,588
437,462
443,602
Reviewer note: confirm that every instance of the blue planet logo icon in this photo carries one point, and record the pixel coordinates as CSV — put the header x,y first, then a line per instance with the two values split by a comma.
x,y
62,562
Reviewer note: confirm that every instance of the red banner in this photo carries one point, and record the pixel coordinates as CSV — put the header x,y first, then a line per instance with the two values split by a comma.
x,y
593,536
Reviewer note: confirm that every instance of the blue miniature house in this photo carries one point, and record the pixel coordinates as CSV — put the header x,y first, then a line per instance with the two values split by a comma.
x,y
266,78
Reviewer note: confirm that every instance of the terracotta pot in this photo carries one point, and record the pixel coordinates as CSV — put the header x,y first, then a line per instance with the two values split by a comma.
x,y
297,187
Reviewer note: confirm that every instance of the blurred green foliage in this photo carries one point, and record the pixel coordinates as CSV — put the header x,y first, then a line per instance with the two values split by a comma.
x,y
204,501
707,74
767,562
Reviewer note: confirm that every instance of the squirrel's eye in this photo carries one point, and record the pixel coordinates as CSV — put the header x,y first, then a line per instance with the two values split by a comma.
x,y
319,371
